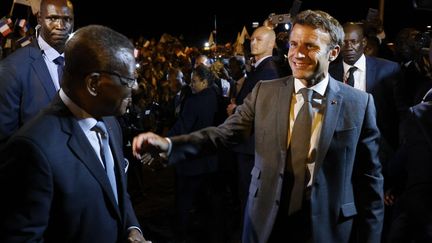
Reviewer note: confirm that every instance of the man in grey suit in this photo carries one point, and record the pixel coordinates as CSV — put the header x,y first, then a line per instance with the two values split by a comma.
x,y
29,76
342,199
64,177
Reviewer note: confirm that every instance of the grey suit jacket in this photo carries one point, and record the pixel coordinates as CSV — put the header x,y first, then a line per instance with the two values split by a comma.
x,y
347,194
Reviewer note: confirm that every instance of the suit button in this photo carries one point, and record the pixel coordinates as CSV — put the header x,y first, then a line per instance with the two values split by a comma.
x,y
277,202
281,175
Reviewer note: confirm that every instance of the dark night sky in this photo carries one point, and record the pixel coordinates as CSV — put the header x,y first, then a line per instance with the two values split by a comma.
x,y
195,20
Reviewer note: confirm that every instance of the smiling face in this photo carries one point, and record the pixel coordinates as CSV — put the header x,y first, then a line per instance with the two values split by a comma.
x,y
310,53
114,94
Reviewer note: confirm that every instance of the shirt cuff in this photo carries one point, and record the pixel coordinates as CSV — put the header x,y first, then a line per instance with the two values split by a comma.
x,y
169,146
135,227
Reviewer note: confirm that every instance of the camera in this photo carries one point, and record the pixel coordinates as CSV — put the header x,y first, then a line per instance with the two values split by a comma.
x,y
279,18
275,19
423,39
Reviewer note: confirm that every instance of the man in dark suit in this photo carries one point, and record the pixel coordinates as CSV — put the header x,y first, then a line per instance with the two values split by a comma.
x,y
57,182
262,43
196,178
376,76
29,77
412,170
342,200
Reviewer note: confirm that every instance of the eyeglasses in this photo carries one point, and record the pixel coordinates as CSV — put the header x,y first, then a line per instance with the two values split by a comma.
x,y
129,82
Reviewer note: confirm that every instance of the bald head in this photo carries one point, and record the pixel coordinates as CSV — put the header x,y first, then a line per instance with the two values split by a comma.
x,y
99,71
96,47
263,40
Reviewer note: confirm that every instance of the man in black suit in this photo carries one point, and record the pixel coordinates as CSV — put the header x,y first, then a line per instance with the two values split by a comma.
x,y
262,43
376,76
28,77
342,199
412,170
196,178
62,181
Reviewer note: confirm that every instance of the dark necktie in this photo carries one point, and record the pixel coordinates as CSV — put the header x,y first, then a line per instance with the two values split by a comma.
x,y
106,155
350,79
60,63
300,144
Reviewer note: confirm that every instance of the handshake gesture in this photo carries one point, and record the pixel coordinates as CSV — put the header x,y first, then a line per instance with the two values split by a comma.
x,y
150,148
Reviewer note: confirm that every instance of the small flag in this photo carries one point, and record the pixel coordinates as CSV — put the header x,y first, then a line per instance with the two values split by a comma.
x,y
8,43
4,27
244,35
211,39
23,41
22,23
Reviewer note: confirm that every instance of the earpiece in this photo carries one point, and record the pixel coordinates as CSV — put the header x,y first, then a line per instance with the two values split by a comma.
x,y
92,91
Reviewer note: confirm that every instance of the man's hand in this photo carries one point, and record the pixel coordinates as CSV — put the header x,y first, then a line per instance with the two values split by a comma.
x,y
149,142
136,236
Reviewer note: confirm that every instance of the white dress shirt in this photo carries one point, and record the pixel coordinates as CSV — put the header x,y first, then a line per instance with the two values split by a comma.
x,y
318,112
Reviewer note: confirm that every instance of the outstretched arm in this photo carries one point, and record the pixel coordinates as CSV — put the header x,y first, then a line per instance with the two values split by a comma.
x,y
150,143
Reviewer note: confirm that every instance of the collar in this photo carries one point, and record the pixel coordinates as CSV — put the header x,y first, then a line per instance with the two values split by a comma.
x,y
86,120
360,64
319,88
261,60
47,50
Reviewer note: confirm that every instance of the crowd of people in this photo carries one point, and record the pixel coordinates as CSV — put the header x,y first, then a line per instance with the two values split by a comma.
x,y
104,139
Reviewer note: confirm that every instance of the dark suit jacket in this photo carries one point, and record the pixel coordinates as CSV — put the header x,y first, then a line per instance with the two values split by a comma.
x,y
382,77
347,193
266,70
54,188
25,88
412,170
198,112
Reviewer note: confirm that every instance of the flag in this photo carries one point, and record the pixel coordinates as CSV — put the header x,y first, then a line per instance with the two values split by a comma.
x,y
23,41
22,23
211,39
244,35
8,43
4,27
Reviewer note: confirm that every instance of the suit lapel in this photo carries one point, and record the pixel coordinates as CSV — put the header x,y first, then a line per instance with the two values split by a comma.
x,y
333,104
284,104
41,70
336,71
370,74
80,146
423,120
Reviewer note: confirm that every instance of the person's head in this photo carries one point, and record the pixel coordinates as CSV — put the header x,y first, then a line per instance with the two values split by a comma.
x,y
56,20
237,67
354,42
202,78
315,41
262,42
99,72
372,46
202,60
406,46
175,79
